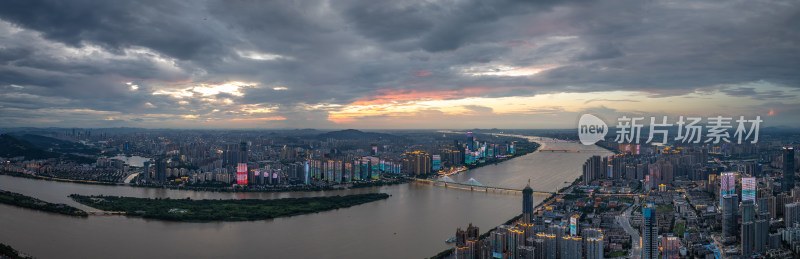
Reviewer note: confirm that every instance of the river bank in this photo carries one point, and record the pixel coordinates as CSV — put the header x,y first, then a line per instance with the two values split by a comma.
x,y
19,200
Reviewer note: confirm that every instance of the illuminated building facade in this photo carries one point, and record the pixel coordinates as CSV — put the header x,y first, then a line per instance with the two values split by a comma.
x,y
749,189
241,174
573,225
727,186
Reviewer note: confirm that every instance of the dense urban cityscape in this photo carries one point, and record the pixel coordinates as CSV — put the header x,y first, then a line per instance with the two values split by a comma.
x,y
656,200
465,129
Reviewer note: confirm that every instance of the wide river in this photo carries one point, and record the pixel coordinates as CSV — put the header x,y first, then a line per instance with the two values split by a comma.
x,y
412,223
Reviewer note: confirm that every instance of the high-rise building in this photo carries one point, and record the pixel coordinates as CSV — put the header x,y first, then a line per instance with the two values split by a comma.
x,y
436,161
727,186
594,243
773,210
573,225
775,241
526,252
592,169
761,240
470,141
539,246
730,217
243,152
547,248
417,163
787,184
762,206
791,214
748,189
467,243
527,205
505,241
649,232
146,172
748,211
161,170
559,231
241,174
748,227
571,247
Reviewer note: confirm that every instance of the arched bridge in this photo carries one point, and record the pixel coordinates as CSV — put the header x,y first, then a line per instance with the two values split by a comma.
x,y
473,185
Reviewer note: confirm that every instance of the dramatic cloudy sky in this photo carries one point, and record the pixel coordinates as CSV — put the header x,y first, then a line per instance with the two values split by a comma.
x,y
393,64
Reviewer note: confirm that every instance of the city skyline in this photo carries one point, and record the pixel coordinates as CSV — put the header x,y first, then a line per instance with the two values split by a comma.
x,y
404,65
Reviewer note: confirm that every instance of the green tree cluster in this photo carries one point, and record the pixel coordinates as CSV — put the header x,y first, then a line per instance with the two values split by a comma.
x,y
223,210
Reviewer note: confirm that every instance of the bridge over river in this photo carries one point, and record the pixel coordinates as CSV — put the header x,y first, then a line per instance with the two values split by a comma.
x,y
474,185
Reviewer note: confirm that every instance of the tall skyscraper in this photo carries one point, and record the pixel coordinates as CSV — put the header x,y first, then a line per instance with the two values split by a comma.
x,y
161,170
787,184
243,157
527,204
748,227
748,211
470,141
146,172
730,226
727,186
649,232
748,238
748,189
761,240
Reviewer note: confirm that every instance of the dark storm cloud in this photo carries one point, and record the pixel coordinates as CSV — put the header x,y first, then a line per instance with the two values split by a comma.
x,y
80,54
170,27
437,26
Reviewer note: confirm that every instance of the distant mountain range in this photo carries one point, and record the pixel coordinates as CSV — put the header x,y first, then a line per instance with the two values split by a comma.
x,y
351,134
11,146
57,145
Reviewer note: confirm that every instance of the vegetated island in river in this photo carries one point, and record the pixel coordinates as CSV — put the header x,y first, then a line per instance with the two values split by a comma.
x,y
223,210
19,200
